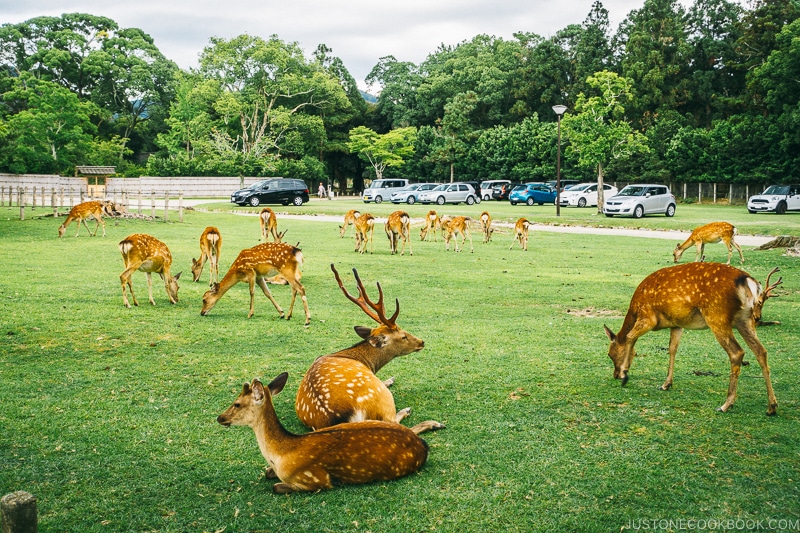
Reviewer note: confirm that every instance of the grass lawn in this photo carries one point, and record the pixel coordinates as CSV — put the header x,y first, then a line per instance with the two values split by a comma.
x,y
108,414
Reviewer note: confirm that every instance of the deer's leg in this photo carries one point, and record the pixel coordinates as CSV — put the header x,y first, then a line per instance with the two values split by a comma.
x,y
471,247
297,287
125,279
88,230
401,414
700,247
739,248
267,293
428,425
674,340
735,354
748,333
150,287
100,222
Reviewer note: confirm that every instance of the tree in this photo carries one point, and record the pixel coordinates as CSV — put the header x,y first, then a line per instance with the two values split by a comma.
x,y
383,151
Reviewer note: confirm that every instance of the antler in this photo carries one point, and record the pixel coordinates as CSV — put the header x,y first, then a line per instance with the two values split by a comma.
x,y
375,311
768,290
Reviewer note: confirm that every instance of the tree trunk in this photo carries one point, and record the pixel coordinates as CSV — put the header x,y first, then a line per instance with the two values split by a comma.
x,y
784,241
600,187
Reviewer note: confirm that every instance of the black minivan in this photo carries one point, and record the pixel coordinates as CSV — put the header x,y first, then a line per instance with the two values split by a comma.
x,y
272,191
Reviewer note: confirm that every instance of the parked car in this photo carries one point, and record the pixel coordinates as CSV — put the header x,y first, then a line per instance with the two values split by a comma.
x,y
503,191
449,193
488,185
584,194
533,193
639,200
777,199
565,184
380,190
410,193
272,191
478,191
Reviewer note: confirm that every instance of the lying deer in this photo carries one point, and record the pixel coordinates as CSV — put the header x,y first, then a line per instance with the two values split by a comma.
x,y
398,228
696,296
254,265
343,387
710,233
349,219
146,253
210,247
83,211
354,453
521,233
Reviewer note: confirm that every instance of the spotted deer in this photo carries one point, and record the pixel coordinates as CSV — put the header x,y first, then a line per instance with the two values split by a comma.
x,y
85,210
343,386
521,233
452,227
269,224
210,247
710,233
254,265
697,296
149,255
398,228
349,219
365,229
486,226
352,453
431,227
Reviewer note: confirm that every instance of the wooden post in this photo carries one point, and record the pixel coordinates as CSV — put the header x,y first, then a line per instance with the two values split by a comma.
x,y
153,204
33,205
140,202
42,197
166,207
715,193
685,190
21,202
18,511
53,203
82,196
180,207
2,194
699,193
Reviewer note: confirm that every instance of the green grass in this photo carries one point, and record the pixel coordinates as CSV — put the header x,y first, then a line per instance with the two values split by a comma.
x,y
108,414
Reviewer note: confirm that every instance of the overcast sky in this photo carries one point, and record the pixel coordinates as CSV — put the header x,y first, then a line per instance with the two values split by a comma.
x,y
359,32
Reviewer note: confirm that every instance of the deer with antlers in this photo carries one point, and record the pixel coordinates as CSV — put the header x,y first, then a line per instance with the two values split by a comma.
x,y
697,296
343,386
365,229
452,227
349,219
210,247
521,233
146,253
85,210
486,226
432,225
254,266
352,453
398,228
710,233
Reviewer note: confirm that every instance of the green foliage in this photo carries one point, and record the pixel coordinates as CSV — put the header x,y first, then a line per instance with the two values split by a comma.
x,y
390,150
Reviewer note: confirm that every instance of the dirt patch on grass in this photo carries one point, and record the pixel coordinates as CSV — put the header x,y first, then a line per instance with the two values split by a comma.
x,y
591,312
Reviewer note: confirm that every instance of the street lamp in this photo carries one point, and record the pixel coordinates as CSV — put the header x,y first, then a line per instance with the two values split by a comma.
x,y
559,110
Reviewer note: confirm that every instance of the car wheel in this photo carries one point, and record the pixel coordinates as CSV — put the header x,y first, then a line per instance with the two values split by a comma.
x,y
609,215
254,201
529,201
410,200
670,210
486,197
513,203
581,202
751,211
378,199
440,200
470,200
638,212
781,209
298,201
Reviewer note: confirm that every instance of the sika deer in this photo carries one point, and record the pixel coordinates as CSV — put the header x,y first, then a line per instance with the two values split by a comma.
x,y
85,210
365,229
146,253
354,453
432,225
398,228
269,224
343,387
521,233
486,226
451,228
697,296
210,247
349,219
710,233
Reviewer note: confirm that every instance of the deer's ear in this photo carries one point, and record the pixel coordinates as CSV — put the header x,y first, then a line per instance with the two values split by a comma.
x,y
378,341
277,384
363,331
178,276
609,333
258,391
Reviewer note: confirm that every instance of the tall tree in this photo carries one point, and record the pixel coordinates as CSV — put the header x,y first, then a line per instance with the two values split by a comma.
x,y
382,151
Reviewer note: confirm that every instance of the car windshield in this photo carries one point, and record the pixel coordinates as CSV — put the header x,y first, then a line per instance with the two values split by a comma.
x,y
441,187
777,189
259,185
631,190
580,187
412,187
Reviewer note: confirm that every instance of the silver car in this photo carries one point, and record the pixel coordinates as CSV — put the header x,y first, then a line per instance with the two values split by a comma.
x,y
410,194
639,200
449,193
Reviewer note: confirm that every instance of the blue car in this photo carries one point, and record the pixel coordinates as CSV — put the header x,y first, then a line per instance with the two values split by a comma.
x,y
533,193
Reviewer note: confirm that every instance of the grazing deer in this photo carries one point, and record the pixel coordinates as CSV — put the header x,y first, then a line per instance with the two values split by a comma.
x,y
146,253
254,265
354,453
343,387
696,296
269,224
486,226
432,225
349,219
94,209
452,227
210,247
365,229
710,233
521,233
398,228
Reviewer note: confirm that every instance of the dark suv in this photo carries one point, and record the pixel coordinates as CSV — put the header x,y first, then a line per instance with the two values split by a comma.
x,y
272,191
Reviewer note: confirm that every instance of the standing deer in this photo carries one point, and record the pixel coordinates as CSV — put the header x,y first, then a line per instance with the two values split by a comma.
x,y
365,229
269,224
486,226
432,225
210,247
255,265
343,387
354,453
349,219
521,233
452,227
93,209
398,228
146,253
696,296
710,233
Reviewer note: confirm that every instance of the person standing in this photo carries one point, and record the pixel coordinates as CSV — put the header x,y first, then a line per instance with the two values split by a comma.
x,y
321,192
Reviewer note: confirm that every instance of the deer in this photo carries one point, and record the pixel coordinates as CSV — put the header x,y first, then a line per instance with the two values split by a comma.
x,y
93,209
351,453
146,253
710,233
398,228
451,228
521,233
365,229
210,247
432,225
269,224
254,265
486,226
349,219
697,296
343,386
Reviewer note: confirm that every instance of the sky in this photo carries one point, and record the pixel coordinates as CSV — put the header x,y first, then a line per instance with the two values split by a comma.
x,y
359,32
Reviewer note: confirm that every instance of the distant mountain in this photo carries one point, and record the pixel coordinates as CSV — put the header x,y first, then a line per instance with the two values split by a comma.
x,y
369,98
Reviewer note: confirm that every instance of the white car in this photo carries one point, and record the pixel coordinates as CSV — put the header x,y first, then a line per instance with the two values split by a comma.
x,y
488,185
639,200
382,189
777,198
449,193
410,194
585,194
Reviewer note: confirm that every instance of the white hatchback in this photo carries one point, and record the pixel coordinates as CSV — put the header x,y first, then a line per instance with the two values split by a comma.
x,y
449,193
639,200
585,194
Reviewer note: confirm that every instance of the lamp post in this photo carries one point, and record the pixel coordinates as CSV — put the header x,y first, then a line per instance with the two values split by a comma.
x,y
559,110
